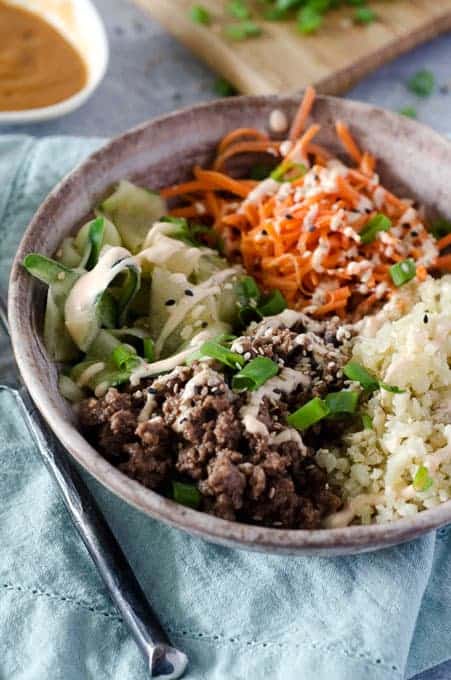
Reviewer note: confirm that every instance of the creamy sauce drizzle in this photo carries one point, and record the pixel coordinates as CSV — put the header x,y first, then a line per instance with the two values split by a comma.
x,y
80,305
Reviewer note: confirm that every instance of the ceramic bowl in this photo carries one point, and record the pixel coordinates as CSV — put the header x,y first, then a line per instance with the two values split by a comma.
x,y
80,23
413,160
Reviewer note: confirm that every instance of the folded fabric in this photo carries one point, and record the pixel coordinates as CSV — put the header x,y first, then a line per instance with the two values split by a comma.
x,y
238,615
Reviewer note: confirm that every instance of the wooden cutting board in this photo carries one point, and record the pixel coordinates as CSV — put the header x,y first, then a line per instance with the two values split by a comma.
x,y
283,60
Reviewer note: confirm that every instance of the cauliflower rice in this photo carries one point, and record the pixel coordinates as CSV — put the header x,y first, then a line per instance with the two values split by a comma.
x,y
376,468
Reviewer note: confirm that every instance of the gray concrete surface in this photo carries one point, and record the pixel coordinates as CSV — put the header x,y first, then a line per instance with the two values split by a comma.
x,y
150,74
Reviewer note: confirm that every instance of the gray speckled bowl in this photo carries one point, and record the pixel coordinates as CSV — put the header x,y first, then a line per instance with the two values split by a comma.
x,y
413,160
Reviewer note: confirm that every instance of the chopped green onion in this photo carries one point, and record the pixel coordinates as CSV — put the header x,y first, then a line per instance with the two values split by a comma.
x,y
309,20
272,304
342,402
255,374
440,227
358,373
402,272
281,170
376,224
223,88
364,15
309,414
247,290
123,358
408,111
422,481
391,388
422,83
259,171
243,30
239,9
200,15
186,494
216,351
366,421
149,349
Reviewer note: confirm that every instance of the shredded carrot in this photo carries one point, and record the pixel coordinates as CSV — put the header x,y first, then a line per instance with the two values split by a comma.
x,y
444,242
348,142
304,236
303,113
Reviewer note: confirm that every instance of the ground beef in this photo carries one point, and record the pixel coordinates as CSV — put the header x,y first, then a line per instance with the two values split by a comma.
x,y
196,431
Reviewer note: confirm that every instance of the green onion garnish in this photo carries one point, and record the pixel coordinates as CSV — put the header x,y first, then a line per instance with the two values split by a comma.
x,y
186,494
149,349
223,88
247,290
200,15
357,373
364,15
391,388
243,30
239,9
272,304
402,272
124,358
342,402
366,421
309,20
440,227
255,374
214,350
422,481
309,414
408,111
280,171
376,224
422,83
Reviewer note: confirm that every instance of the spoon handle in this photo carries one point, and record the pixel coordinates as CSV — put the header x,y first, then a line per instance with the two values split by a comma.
x,y
164,660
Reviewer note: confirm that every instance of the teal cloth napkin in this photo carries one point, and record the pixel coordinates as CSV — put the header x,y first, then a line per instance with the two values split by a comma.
x,y
237,615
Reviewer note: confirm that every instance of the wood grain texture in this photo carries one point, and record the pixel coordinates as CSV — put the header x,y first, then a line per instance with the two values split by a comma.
x,y
283,60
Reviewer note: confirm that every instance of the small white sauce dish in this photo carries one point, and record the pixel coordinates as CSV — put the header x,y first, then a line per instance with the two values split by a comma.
x,y
80,23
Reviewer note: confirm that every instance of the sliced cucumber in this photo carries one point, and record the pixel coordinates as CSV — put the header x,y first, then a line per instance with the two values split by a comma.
x,y
111,236
133,210
160,249
166,287
57,340
68,254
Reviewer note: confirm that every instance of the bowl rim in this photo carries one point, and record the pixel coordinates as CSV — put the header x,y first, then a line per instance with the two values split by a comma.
x,y
76,100
336,541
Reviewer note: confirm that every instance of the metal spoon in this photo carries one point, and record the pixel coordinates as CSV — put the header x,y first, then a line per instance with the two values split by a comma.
x,y
164,660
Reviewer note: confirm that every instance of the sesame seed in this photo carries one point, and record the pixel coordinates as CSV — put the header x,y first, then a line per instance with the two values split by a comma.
x,y
425,318
169,303
188,292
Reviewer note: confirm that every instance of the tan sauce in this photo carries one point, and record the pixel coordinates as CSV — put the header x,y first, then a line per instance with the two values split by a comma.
x,y
38,66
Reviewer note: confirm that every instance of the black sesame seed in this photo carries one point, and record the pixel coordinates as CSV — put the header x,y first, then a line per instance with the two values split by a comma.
x,y
289,217
368,210
264,232
169,303
204,324
414,233
311,229
189,292
425,318
151,390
